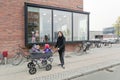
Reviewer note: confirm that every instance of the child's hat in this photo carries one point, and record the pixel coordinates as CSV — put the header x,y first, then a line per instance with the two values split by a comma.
x,y
47,46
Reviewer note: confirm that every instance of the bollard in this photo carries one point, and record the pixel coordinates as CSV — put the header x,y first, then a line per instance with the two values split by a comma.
x,y
5,55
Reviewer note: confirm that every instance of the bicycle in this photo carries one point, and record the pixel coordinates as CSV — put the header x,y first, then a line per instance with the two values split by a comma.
x,y
108,44
98,44
19,56
79,50
82,48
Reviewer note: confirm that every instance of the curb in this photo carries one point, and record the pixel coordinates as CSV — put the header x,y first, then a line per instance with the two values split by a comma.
x,y
78,72
93,71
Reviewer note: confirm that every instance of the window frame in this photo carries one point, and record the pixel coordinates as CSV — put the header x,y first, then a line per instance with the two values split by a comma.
x,y
26,5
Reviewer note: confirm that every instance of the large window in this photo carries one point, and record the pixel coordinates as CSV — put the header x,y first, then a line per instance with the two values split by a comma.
x,y
80,27
39,25
43,23
62,22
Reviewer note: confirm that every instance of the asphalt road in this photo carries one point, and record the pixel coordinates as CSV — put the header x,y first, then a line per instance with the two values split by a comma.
x,y
108,74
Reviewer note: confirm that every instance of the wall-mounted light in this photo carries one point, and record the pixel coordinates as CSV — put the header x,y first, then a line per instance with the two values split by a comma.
x,y
27,0
44,0
64,16
44,14
55,15
80,7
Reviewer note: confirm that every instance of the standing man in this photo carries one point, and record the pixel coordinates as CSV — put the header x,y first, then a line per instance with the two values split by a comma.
x,y
60,45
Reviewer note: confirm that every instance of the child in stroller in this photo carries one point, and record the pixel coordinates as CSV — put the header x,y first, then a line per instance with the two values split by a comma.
x,y
40,57
47,48
36,48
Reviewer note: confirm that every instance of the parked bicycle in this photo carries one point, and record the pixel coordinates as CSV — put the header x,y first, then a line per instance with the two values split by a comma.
x,y
107,43
79,48
98,44
19,56
82,48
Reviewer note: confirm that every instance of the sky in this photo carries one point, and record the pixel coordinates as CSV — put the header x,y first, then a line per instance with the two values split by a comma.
x,y
103,13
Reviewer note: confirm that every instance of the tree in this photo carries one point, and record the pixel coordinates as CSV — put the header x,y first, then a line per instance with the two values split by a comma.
x,y
117,27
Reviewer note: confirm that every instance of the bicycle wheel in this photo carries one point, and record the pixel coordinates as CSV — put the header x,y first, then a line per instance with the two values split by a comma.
x,y
17,59
77,50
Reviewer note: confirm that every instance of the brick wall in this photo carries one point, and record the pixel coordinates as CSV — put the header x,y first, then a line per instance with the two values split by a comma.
x,y
12,19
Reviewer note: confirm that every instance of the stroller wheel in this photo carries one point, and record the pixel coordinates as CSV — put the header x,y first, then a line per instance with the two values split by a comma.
x,y
50,59
30,65
48,67
32,71
44,62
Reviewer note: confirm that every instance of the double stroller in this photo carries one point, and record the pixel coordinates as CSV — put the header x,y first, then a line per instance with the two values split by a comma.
x,y
42,60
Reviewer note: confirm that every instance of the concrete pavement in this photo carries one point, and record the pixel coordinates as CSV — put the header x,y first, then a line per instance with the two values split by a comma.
x,y
112,74
97,59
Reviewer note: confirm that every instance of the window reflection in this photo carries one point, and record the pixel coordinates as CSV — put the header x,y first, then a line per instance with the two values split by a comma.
x,y
33,25
62,22
79,27
39,25
45,25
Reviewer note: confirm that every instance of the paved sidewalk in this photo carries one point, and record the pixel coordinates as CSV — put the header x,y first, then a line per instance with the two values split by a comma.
x,y
97,59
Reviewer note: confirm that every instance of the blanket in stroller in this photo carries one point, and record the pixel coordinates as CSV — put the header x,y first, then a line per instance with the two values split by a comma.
x,y
34,55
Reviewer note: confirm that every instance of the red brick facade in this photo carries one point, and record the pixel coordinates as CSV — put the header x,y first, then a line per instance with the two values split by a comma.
x,y
12,19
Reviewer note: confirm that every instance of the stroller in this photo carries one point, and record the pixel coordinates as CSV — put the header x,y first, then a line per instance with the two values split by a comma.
x,y
45,59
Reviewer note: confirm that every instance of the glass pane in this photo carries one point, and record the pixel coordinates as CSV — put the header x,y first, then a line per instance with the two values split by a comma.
x,y
62,22
80,26
39,25
45,25
33,24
